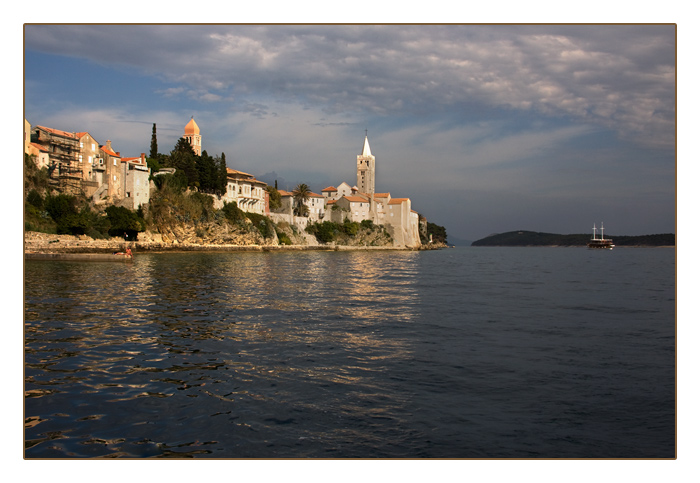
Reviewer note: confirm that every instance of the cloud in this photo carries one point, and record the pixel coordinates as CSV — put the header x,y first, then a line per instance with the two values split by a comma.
x,y
620,77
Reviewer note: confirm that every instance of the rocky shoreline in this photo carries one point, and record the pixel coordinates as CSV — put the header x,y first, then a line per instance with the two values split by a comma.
x,y
35,243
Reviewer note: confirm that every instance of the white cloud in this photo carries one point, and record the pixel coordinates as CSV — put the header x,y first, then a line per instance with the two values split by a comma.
x,y
619,77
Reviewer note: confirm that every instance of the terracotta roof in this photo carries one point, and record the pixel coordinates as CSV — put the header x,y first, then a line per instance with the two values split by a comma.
x,y
109,151
315,195
381,195
191,127
331,202
356,199
397,201
58,132
330,188
233,172
39,147
136,160
285,193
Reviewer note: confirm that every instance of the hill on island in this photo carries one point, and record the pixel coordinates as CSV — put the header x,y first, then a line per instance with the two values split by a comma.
x,y
523,238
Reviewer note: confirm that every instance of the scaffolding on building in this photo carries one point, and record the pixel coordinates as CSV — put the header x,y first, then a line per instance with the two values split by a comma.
x,y
65,172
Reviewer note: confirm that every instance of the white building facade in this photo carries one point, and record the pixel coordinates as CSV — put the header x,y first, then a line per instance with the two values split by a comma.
x,y
248,193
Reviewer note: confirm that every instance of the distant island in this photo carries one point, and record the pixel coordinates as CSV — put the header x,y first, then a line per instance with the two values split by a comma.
x,y
523,238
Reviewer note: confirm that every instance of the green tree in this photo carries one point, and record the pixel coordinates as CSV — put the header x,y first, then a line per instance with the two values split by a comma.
x,y
124,222
275,198
222,181
207,174
60,206
154,164
324,232
70,217
439,233
301,195
154,144
182,158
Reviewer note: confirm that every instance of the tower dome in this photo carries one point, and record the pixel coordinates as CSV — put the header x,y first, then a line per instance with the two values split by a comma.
x,y
193,137
191,127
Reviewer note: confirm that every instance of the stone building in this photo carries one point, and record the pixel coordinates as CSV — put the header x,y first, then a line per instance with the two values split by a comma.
x,y
316,205
62,148
38,153
249,193
78,164
111,173
135,182
360,203
90,163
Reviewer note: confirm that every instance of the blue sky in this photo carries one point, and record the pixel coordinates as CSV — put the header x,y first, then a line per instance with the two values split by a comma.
x,y
487,128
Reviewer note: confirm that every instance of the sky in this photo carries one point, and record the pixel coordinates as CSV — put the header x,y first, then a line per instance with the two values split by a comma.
x,y
487,128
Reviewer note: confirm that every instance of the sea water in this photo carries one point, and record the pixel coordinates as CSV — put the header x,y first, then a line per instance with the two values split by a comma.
x,y
458,353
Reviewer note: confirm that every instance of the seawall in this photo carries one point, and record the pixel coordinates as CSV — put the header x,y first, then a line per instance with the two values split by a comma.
x,y
37,243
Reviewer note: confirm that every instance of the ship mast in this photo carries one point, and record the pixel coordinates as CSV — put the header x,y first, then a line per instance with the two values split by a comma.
x,y
602,237
594,231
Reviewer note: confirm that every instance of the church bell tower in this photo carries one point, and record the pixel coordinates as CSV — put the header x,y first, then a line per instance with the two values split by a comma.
x,y
193,137
366,170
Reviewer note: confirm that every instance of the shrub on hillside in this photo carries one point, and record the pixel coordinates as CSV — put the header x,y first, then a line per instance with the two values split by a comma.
x,y
124,222
283,238
367,224
233,213
35,199
264,225
324,232
202,204
351,228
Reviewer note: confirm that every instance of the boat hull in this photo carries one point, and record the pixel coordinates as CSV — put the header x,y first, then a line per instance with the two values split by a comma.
x,y
601,244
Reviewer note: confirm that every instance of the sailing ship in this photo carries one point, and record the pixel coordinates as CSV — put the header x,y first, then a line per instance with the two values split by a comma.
x,y
602,242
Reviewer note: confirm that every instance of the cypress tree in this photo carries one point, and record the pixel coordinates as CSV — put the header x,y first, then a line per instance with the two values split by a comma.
x,y
223,175
154,144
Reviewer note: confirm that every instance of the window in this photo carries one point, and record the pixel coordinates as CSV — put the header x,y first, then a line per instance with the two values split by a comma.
x,y
80,158
115,161
90,159
93,146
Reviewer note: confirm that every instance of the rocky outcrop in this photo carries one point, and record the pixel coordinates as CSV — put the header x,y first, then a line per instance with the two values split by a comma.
x,y
203,236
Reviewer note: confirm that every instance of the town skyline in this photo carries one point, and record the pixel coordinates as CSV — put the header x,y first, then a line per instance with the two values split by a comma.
x,y
487,128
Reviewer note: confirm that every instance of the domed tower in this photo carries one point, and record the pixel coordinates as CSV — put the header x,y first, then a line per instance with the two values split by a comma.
x,y
366,170
193,137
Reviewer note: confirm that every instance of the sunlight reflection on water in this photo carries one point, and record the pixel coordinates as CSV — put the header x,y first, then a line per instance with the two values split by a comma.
x,y
347,354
